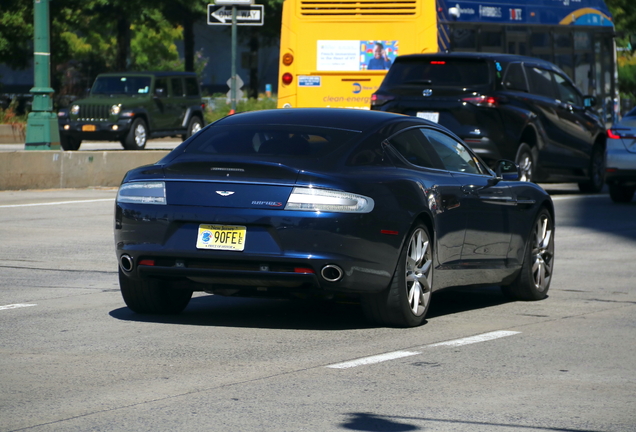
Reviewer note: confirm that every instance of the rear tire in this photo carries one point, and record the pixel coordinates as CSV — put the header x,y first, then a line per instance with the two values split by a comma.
x,y
597,172
70,143
620,193
137,135
153,297
526,161
194,125
406,301
535,276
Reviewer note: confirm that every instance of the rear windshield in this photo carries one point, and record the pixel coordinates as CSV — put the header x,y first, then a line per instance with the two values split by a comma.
x,y
438,72
121,85
269,140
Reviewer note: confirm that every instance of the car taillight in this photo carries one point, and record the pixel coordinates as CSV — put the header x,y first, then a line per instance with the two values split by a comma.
x,y
482,101
379,99
287,78
620,133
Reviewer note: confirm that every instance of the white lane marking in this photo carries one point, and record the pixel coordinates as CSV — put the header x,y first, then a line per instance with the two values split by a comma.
x,y
400,354
474,339
57,203
16,306
374,359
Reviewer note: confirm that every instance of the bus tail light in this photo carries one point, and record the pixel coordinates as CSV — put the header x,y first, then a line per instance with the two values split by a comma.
x,y
380,99
287,78
288,59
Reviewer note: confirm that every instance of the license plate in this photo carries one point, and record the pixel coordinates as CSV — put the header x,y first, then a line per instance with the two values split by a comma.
x,y
221,237
89,128
431,116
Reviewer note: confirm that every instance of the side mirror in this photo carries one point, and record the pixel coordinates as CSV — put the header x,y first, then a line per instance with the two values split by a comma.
x,y
589,101
160,92
507,170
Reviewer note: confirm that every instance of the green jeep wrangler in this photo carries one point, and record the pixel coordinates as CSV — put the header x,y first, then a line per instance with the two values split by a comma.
x,y
133,107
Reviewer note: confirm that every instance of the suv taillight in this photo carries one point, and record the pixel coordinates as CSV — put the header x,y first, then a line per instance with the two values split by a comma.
x,y
380,99
483,101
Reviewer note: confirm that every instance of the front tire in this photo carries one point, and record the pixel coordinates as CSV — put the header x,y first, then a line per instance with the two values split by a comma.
x,y
535,276
526,162
153,297
194,125
597,172
70,143
621,194
137,135
406,301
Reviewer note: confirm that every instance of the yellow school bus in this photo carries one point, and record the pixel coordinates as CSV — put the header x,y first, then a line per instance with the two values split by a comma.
x,y
335,54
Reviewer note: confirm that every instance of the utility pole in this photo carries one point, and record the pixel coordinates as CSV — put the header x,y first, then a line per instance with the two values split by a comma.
x,y
42,131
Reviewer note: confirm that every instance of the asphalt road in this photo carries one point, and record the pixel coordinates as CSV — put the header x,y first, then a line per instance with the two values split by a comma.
x,y
74,358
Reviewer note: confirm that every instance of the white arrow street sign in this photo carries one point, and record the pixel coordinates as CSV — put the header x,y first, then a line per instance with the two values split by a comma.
x,y
245,15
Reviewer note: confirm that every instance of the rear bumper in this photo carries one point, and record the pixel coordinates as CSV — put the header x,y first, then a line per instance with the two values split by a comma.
x,y
620,167
283,249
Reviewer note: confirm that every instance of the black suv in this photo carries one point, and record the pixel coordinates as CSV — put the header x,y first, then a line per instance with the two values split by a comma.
x,y
132,107
504,107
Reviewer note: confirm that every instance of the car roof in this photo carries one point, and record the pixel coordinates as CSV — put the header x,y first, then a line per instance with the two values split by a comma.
x,y
339,118
504,58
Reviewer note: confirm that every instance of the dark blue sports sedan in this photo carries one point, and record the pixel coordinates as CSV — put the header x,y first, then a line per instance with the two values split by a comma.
x,y
326,203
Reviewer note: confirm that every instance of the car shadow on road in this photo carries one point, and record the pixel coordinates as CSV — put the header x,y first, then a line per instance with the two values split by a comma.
x,y
219,311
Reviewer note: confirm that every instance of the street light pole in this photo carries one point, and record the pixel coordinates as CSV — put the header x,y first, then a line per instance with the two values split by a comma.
x,y
42,131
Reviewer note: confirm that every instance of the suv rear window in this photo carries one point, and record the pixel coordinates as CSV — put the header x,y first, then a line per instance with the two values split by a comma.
x,y
439,72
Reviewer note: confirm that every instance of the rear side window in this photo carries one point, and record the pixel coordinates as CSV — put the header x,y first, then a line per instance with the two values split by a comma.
x,y
414,147
454,155
439,72
540,82
177,87
515,78
192,88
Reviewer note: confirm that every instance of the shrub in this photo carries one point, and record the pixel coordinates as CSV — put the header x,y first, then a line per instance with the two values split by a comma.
x,y
223,110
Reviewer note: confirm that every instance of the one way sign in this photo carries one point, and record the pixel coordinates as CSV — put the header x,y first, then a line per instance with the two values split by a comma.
x,y
245,15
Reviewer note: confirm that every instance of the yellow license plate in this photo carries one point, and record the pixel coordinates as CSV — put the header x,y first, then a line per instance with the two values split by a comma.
x,y
89,128
221,237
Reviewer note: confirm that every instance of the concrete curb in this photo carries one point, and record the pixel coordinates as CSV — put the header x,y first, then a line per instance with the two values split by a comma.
x,y
48,169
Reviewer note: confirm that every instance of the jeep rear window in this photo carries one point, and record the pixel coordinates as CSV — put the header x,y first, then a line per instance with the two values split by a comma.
x,y
128,85
438,72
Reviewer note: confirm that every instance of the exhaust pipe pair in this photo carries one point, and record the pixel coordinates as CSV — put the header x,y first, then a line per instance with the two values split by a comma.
x,y
331,273
126,262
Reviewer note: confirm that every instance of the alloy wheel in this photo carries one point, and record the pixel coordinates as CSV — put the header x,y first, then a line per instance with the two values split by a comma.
x,y
525,167
543,252
140,135
418,272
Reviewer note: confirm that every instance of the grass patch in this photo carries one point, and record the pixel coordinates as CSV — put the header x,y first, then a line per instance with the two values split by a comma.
x,y
221,109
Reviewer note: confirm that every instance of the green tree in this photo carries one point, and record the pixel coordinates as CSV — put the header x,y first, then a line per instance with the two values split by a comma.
x,y
16,33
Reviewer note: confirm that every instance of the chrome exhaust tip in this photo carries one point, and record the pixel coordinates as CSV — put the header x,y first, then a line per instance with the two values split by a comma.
x,y
126,262
331,273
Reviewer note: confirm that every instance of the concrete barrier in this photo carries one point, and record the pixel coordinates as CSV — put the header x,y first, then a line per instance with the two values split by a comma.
x,y
48,169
